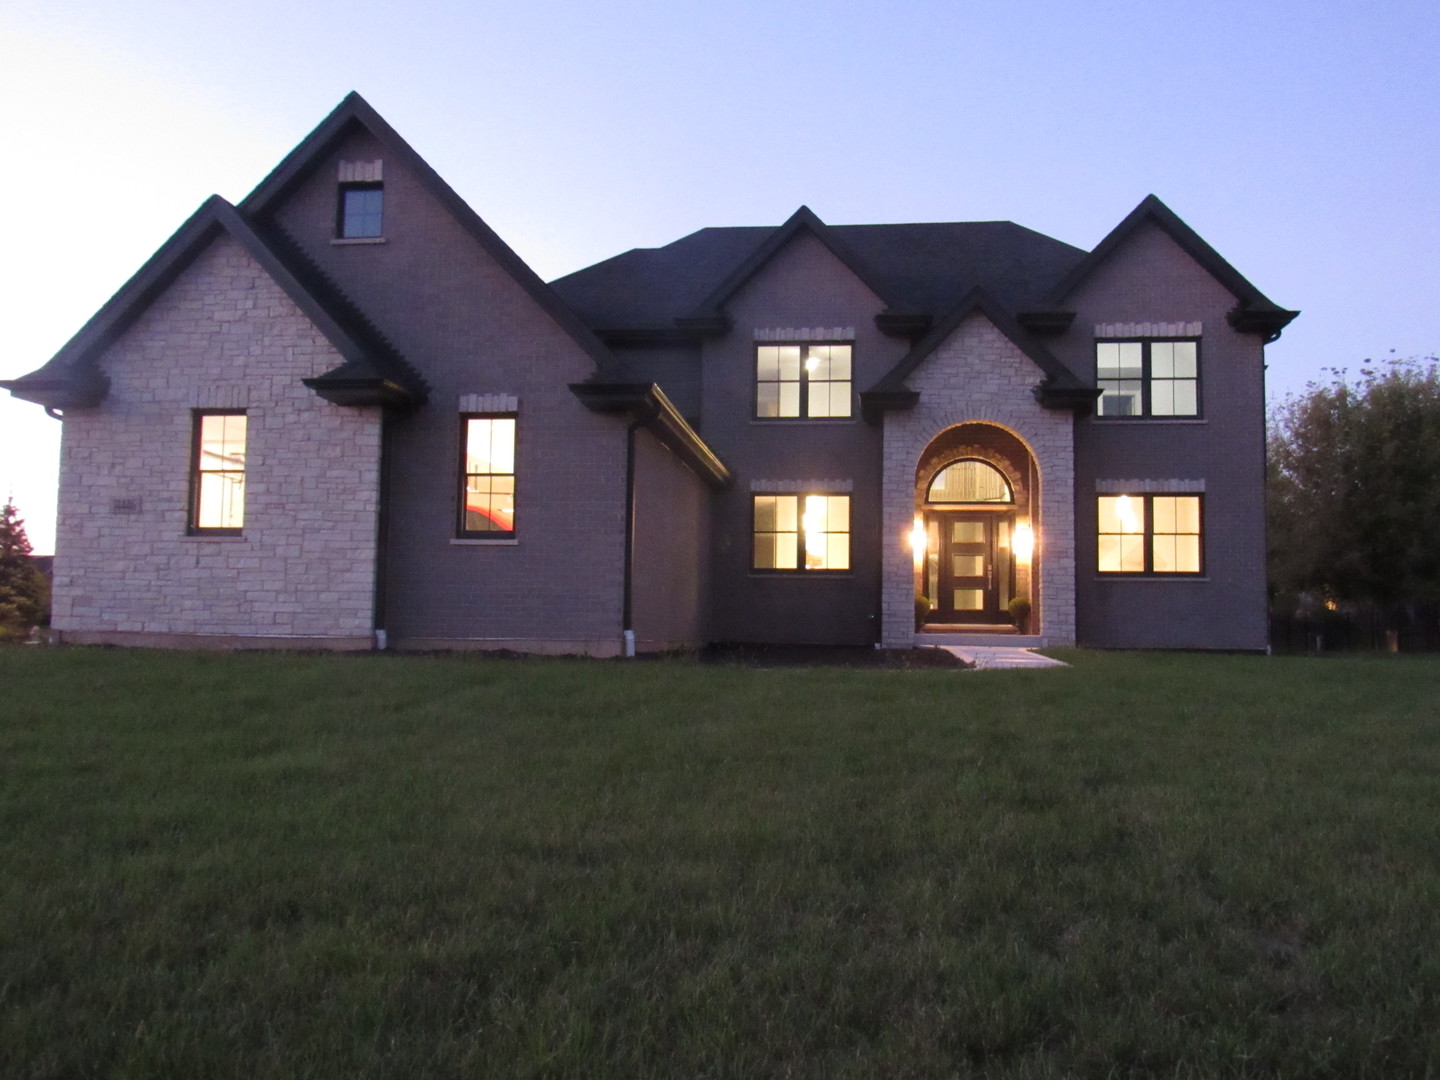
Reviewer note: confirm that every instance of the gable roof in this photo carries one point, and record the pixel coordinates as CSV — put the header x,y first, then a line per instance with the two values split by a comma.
x,y
804,220
916,268
1253,311
71,378
355,112
1058,387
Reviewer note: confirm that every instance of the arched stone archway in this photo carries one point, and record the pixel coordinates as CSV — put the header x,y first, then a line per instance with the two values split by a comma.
x,y
975,398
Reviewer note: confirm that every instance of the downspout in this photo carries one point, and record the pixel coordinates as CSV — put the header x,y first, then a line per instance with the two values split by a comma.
x,y
54,413
643,417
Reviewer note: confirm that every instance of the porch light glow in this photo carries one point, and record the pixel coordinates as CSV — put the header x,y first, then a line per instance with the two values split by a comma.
x,y
917,541
1023,542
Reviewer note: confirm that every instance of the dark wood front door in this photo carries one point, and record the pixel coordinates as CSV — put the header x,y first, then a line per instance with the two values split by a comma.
x,y
969,587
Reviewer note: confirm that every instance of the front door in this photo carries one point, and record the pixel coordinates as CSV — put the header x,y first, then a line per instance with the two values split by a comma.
x,y
968,582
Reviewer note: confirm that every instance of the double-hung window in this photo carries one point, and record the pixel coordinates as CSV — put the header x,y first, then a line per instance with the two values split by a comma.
x,y
801,532
487,478
1150,534
217,477
1148,378
811,381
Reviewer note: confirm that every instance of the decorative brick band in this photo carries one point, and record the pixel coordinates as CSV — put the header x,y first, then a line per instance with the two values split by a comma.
x,y
800,487
1147,329
221,396
1126,487
361,172
806,333
489,403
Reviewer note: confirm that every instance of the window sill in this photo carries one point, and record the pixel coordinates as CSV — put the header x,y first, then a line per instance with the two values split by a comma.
x,y
801,575
1148,420
201,538
512,542
1153,577
353,241
802,421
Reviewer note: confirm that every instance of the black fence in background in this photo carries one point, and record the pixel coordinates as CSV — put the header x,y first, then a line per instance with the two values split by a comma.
x,y
1414,628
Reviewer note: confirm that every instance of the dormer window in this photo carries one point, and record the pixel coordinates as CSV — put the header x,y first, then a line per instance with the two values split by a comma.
x,y
360,209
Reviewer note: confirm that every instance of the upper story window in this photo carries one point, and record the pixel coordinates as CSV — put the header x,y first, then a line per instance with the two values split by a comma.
x,y
362,209
801,532
487,478
360,206
1148,378
811,381
217,480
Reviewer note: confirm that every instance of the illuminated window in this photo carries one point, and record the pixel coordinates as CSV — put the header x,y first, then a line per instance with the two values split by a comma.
x,y
802,532
970,481
217,487
1148,378
810,381
361,210
1149,534
487,487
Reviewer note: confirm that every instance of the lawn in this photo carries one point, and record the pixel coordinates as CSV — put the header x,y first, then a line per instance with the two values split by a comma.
x,y
306,866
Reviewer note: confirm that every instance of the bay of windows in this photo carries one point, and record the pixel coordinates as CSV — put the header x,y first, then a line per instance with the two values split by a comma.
x,y
801,532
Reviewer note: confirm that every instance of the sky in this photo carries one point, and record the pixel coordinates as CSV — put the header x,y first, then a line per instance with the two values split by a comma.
x,y
1302,140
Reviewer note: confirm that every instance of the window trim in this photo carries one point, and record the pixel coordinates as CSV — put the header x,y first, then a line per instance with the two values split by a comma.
x,y
1147,380
347,186
803,415
1148,534
800,569
485,535
192,513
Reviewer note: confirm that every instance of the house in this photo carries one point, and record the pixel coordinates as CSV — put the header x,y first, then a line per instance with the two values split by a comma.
x,y
345,414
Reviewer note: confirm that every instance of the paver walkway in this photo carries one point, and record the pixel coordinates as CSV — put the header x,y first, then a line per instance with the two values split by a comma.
x,y
993,657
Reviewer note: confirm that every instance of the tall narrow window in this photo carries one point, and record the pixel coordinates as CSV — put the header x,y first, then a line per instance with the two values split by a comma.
x,y
487,495
361,211
801,532
217,491
1150,534
811,381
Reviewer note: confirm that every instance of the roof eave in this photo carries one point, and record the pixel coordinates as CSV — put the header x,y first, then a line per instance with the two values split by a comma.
x,y
647,404
354,392
81,390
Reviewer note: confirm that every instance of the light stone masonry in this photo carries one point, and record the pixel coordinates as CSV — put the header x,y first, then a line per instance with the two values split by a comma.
x,y
225,336
978,374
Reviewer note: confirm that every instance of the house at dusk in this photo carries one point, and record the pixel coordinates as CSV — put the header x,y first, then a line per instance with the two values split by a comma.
x,y
344,414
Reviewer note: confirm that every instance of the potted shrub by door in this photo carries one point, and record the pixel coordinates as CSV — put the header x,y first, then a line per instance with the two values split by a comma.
x,y
1020,613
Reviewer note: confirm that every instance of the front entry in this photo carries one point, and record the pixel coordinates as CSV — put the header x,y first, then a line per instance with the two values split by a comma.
x,y
970,568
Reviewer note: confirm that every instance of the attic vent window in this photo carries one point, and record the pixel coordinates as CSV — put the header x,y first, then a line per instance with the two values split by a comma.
x,y
360,210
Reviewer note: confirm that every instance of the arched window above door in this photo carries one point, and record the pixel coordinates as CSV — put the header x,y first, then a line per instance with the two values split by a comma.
x,y
970,481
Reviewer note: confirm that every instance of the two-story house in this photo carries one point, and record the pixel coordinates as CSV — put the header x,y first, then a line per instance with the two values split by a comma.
x,y
345,414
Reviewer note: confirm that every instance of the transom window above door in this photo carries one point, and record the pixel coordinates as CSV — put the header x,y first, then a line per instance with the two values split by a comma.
x,y
811,381
970,481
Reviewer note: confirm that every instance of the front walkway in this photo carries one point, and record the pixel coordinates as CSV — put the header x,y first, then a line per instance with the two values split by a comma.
x,y
992,658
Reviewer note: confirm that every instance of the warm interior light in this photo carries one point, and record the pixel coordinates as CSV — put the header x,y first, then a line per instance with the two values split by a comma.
x,y
1023,542
1129,519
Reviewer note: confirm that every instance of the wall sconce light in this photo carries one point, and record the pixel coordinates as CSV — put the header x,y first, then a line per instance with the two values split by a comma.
x,y
1024,542
918,541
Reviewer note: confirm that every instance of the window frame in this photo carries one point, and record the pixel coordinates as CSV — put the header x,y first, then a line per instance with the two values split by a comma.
x,y
463,488
1148,534
803,382
1147,379
345,189
800,569
193,527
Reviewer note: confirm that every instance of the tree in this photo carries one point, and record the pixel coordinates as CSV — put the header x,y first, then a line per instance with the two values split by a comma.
x,y
24,590
1354,496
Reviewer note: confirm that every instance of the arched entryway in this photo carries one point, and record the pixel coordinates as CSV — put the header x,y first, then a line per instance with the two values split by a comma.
x,y
975,497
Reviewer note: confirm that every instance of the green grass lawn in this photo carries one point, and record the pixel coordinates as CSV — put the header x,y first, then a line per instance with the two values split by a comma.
x,y
308,866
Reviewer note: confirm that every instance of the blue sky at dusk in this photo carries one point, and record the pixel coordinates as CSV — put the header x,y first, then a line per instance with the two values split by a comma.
x,y
1299,139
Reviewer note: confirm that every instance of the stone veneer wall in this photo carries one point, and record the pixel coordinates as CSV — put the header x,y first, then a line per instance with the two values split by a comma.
x,y
223,336
978,374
